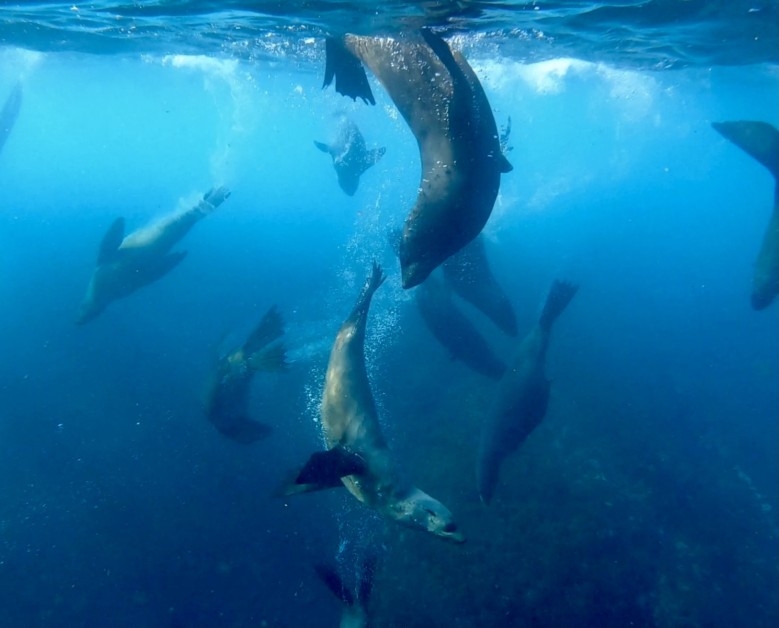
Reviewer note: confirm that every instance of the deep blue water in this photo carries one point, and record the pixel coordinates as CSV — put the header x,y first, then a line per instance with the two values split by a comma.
x,y
647,497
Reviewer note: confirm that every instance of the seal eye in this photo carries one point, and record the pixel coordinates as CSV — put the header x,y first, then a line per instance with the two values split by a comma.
x,y
450,527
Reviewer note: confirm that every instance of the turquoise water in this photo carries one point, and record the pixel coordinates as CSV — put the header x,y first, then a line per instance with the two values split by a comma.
x,y
648,495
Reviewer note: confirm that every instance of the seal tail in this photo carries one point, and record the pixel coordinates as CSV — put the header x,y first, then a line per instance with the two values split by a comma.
x,y
350,77
560,295
760,140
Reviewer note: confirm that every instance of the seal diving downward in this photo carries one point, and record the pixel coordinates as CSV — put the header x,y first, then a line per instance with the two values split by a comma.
x,y
125,264
441,99
227,406
358,457
350,155
761,141
522,395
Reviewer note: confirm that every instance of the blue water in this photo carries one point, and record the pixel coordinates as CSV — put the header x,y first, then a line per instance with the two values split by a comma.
x,y
647,497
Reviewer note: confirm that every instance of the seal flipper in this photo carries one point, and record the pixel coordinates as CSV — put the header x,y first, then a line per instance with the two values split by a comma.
x,y
333,582
374,155
560,295
323,147
324,469
350,77
760,140
270,328
111,241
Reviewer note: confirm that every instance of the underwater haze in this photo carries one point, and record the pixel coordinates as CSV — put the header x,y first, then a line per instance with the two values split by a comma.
x,y
648,496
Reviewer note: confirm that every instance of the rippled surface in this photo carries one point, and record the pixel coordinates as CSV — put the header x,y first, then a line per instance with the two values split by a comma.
x,y
646,34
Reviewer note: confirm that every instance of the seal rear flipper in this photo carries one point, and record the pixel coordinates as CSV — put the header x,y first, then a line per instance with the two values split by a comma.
x,y
323,470
374,155
350,77
111,241
560,295
760,140
245,430
333,582
270,328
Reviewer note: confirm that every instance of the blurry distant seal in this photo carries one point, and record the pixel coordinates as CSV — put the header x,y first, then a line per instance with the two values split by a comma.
x,y
350,155
446,108
125,264
453,329
468,273
227,406
761,141
522,395
358,456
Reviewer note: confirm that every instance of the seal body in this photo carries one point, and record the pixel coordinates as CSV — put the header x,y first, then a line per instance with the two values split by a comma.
x,y
453,330
351,158
358,456
761,141
522,396
125,264
469,274
444,104
227,405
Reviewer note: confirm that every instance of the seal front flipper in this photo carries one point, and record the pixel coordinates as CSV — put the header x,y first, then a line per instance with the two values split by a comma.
x,y
324,469
760,140
323,147
350,77
111,241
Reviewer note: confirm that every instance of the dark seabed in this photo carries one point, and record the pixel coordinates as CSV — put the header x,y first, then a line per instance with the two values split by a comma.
x,y
647,497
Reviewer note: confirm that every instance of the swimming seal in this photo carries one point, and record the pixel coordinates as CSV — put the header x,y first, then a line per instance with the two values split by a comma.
x,y
761,141
227,405
358,457
441,99
125,264
522,396
351,158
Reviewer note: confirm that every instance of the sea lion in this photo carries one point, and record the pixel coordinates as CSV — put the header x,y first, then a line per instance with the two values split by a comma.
x,y
522,396
761,141
355,612
10,112
227,405
441,99
469,275
125,264
350,156
358,457
453,329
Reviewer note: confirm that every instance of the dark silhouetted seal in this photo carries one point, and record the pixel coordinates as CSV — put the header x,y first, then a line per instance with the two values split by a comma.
x,y
125,264
358,456
227,404
441,99
761,141
453,330
469,275
350,155
522,396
